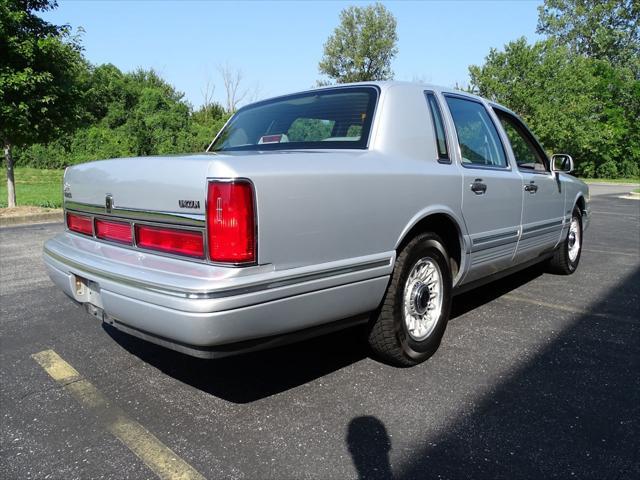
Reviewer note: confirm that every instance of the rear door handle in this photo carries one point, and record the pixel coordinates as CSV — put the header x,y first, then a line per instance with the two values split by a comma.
x,y
531,188
478,187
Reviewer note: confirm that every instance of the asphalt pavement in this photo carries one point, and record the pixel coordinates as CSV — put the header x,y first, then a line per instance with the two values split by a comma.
x,y
538,377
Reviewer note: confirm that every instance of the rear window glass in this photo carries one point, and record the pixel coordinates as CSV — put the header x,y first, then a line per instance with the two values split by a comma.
x,y
332,118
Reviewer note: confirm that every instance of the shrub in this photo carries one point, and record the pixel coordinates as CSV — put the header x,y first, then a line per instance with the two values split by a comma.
x,y
629,169
587,169
608,169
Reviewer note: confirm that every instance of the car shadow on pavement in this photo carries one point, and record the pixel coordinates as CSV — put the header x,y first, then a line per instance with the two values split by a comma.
x,y
571,411
251,376
477,297
248,377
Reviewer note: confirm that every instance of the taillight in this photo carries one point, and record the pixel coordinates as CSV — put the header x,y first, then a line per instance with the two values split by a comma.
x,y
115,231
231,221
180,242
80,224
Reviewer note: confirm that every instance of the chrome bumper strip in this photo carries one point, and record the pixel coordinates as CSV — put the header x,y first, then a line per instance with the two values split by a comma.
x,y
221,293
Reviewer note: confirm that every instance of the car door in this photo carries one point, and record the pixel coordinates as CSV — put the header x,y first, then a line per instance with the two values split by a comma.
x,y
543,195
492,189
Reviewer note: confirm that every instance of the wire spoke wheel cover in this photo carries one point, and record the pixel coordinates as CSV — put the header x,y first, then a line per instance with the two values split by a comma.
x,y
422,298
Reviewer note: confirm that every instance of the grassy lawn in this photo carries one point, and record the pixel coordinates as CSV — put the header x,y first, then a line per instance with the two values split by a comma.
x,y
611,180
40,188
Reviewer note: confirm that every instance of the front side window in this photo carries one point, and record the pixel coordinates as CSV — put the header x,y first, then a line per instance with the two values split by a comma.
x,y
478,137
528,155
332,118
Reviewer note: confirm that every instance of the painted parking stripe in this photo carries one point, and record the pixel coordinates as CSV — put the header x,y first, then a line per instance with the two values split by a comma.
x,y
157,456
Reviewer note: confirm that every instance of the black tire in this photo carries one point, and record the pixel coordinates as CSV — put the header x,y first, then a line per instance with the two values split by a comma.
x,y
561,262
388,335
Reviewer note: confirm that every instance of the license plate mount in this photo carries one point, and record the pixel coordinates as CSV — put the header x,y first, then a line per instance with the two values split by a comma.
x,y
87,291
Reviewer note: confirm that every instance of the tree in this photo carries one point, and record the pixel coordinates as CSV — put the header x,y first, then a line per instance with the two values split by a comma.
x,y
40,68
232,78
574,104
362,46
602,29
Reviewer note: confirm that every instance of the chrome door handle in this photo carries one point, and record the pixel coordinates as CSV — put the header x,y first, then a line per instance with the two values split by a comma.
x,y
531,188
478,187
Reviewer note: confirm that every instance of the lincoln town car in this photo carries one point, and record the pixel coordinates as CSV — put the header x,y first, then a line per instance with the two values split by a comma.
x,y
369,203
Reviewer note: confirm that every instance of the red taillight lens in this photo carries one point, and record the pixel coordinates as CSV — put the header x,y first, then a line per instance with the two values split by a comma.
x,y
115,231
80,224
179,242
231,222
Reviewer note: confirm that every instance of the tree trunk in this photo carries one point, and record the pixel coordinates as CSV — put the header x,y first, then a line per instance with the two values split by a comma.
x,y
11,189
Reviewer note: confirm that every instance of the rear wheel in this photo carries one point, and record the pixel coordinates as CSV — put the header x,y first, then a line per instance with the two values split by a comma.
x,y
567,256
409,325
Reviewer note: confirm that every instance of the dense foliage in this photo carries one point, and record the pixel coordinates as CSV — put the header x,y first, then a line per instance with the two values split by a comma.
x,y
38,71
128,114
602,29
578,89
362,46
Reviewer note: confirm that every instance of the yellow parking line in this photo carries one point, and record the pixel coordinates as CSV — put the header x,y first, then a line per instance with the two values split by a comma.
x,y
156,455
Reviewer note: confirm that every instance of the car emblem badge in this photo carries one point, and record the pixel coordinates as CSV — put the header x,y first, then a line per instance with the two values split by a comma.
x,y
189,203
67,191
108,203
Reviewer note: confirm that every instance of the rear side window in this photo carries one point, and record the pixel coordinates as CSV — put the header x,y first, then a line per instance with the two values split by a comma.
x,y
438,126
331,118
478,137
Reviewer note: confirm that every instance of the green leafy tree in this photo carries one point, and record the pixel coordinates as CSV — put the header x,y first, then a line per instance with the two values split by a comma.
x,y
128,114
362,46
602,29
40,71
574,104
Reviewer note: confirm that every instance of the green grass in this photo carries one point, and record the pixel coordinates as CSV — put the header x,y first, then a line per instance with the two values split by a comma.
x,y
636,190
36,187
610,180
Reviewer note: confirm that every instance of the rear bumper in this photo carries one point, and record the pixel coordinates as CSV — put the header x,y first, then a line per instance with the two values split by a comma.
x,y
205,310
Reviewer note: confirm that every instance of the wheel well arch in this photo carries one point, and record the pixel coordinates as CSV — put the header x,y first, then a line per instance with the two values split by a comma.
x,y
446,228
581,204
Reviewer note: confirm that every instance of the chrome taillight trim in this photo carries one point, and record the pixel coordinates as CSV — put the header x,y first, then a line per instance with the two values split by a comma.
x,y
95,212
131,214
186,221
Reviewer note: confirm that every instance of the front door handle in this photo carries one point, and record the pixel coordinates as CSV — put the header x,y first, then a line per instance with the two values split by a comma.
x,y
478,187
531,188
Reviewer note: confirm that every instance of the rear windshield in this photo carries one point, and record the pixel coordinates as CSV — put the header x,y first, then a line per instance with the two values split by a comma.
x,y
332,118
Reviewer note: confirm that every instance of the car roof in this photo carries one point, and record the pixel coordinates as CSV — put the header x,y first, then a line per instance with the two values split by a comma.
x,y
393,84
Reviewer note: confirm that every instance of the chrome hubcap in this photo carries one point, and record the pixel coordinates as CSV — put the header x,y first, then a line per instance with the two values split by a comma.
x,y
574,239
422,298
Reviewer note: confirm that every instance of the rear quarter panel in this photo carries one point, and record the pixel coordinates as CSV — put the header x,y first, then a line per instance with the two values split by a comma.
x,y
316,207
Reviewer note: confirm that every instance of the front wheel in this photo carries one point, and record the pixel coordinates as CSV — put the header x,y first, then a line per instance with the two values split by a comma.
x,y
409,325
567,256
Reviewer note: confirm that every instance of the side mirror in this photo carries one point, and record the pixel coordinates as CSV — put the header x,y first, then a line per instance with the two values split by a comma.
x,y
562,162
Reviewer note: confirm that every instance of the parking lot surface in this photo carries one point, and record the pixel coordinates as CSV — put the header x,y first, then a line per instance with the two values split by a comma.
x,y
538,376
